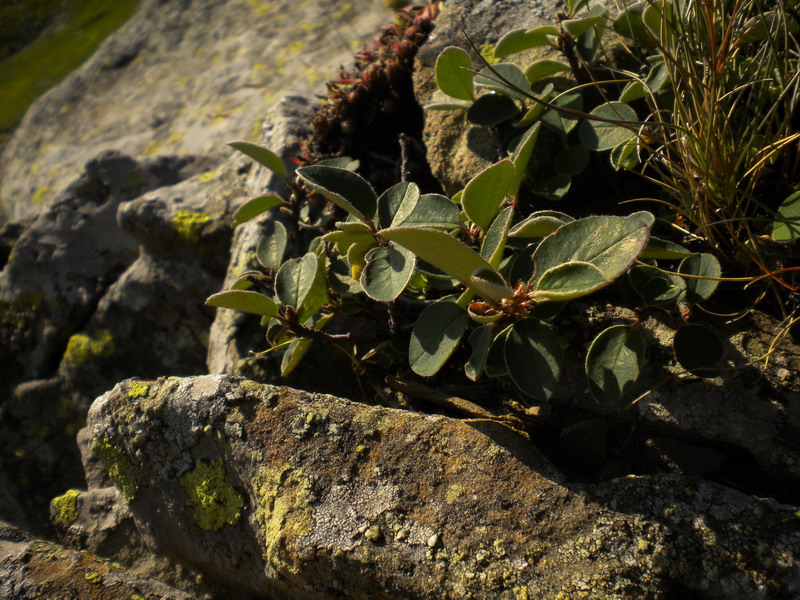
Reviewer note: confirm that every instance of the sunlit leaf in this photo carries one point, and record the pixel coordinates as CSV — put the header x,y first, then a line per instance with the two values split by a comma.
x,y
484,194
786,227
700,265
344,188
495,241
453,74
244,301
543,68
387,272
569,280
504,78
272,245
256,206
540,224
265,157
520,40
398,200
521,156
604,135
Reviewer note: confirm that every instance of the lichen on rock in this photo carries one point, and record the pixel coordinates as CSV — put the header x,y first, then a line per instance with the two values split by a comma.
x,y
188,224
214,501
65,508
82,348
119,467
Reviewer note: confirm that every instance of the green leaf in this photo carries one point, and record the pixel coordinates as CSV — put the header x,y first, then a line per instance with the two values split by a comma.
x,y
560,121
572,161
543,68
540,224
624,156
629,23
602,135
491,109
344,188
347,237
488,283
663,250
786,227
609,243
256,206
356,257
521,156
339,278
533,357
656,287
436,335
299,347
480,340
554,188
295,279
520,40
453,74
272,245
432,210
398,199
314,266
700,265
485,193
353,227
536,110
441,101
495,241
698,349
244,301
340,162
265,157
387,272
441,250
577,27
569,280
496,361
614,361
496,76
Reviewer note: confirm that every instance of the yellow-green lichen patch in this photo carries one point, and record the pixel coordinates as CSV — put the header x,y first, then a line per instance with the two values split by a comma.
x,y
94,577
82,348
138,389
214,501
119,467
207,177
282,509
188,224
41,195
66,508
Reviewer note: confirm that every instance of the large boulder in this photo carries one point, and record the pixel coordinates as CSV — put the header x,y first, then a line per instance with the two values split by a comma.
x,y
283,494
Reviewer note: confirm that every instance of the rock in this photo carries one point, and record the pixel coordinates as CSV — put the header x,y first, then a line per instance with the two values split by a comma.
x,y
32,568
283,494
180,78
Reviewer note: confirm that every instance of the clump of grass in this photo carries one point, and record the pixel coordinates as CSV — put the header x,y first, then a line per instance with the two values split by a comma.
x,y
32,71
728,155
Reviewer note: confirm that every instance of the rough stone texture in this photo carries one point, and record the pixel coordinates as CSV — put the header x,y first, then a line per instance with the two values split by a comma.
x,y
33,568
282,494
183,77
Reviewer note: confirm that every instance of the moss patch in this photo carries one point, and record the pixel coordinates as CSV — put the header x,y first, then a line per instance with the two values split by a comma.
x,y
66,508
81,348
188,224
214,501
119,467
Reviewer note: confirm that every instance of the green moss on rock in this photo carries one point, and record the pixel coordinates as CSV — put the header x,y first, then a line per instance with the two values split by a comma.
x,y
65,508
188,224
82,348
137,390
119,467
214,501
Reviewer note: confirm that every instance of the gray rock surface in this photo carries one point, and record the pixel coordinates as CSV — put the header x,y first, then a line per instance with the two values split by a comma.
x,y
180,78
283,494
32,568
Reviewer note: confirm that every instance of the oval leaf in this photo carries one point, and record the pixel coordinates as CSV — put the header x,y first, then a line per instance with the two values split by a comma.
x,y
453,75
605,135
533,357
265,157
506,79
399,198
613,363
540,224
256,206
244,301
344,188
485,193
545,67
663,250
786,227
522,156
609,243
491,109
700,265
272,245
432,210
436,334
520,40
495,241
387,272
568,281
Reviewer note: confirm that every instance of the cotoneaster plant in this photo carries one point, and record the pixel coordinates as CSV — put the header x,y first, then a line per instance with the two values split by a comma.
x,y
482,273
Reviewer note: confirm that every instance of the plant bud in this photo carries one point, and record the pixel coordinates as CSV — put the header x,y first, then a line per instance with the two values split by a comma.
x,y
374,77
404,50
